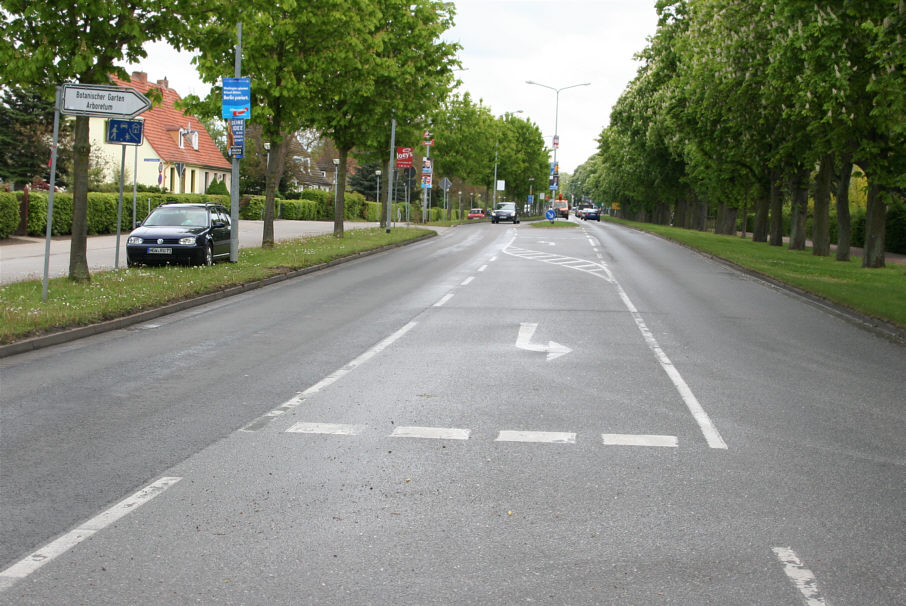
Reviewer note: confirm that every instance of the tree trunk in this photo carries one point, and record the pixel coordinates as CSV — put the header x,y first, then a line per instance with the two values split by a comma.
x,y
821,222
681,214
875,228
844,223
275,163
339,204
78,251
776,210
745,217
762,209
700,215
799,209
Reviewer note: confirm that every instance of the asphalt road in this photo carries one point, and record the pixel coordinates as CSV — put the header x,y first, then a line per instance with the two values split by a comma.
x,y
499,415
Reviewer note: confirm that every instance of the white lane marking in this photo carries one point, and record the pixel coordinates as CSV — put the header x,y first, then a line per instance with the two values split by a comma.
x,y
328,380
482,268
443,300
803,578
467,281
712,436
523,341
625,439
492,259
335,429
58,547
432,433
549,437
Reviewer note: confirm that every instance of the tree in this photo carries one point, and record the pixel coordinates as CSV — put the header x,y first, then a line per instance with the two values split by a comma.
x,y
26,132
400,70
50,42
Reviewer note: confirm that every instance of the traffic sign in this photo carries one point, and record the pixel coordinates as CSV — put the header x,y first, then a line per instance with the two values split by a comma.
x,y
125,132
445,184
102,101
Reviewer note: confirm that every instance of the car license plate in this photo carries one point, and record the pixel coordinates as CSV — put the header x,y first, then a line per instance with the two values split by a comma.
x,y
160,251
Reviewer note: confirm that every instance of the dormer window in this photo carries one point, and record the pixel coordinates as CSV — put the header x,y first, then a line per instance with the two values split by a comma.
x,y
188,135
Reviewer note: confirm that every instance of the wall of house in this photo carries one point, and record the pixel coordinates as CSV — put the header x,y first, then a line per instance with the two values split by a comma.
x,y
151,170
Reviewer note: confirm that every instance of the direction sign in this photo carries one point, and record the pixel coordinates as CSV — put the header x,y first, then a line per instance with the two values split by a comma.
x,y
102,100
125,132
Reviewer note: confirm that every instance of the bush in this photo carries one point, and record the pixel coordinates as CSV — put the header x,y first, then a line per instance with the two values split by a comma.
x,y
9,214
37,214
300,210
353,206
322,201
217,187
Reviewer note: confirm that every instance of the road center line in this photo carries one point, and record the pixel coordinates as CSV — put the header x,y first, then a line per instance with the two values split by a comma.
x,y
433,433
623,439
336,429
58,547
803,578
467,281
549,437
443,300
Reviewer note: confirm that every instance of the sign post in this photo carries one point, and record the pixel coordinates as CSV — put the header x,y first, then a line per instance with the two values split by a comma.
x,y
124,132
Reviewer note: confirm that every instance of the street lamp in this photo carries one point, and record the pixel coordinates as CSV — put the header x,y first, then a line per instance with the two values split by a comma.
x,y
377,174
336,169
556,109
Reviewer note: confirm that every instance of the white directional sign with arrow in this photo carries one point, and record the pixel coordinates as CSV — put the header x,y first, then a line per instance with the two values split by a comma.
x,y
552,349
102,100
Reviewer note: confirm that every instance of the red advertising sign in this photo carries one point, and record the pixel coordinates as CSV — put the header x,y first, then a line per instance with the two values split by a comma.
x,y
404,157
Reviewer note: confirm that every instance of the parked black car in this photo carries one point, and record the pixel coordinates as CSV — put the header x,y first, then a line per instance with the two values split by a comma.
x,y
197,234
592,213
505,211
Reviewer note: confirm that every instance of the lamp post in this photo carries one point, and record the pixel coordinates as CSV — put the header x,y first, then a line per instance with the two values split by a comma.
x,y
377,174
556,109
336,169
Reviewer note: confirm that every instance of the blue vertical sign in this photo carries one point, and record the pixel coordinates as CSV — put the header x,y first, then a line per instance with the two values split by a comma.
x,y
237,141
125,132
237,99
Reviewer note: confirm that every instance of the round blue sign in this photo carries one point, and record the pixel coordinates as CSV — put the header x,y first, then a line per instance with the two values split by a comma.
x,y
550,214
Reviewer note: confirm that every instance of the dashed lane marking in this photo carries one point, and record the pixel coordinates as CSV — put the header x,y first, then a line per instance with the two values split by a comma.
x,y
548,437
622,439
335,429
803,578
433,433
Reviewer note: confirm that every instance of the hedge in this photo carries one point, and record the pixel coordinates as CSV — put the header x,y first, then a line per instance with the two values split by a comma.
x,y
9,214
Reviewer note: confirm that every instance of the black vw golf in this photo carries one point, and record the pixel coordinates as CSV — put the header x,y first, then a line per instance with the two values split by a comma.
x,y
181,233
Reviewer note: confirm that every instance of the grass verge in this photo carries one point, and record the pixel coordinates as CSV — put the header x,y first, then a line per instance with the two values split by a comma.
x,y
112,294
879,293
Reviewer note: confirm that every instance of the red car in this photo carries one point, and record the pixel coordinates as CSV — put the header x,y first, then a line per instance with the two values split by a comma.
x,y
476,213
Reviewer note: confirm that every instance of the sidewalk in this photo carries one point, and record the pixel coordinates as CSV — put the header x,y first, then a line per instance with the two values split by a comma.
x,y
22,257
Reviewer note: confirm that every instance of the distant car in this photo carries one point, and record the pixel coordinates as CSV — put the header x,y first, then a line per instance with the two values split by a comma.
x,y
505,211
561,207
476,213
591,214
196,234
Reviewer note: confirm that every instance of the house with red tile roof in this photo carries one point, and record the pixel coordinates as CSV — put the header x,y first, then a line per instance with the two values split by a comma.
x,y
177,154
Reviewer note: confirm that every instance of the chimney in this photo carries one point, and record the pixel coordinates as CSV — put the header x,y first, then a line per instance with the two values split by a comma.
x,y
140,76
165,84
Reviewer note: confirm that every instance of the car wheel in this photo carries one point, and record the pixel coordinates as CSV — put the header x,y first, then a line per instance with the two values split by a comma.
x,y
209,254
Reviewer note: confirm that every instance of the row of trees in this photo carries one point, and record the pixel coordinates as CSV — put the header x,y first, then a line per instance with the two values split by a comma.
x,y
345,70
743,104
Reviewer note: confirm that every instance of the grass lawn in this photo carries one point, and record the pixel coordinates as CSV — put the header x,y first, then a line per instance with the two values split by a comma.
x,y
116,294
880,293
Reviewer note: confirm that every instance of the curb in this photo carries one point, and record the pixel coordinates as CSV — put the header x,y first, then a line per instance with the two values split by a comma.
x,y
72,334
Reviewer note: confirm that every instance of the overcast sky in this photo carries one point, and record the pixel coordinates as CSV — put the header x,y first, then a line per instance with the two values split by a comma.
x,y
506,42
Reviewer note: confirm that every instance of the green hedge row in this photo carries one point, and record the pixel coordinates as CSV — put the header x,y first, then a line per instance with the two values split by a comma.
x,y
9,214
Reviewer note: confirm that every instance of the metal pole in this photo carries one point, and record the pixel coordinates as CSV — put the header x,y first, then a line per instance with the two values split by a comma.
x,y
53,178
494,207
234,174
119,211
390,166
134,184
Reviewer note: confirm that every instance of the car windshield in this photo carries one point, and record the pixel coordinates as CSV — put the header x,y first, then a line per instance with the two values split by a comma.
x,y
506,206
476,211
188,217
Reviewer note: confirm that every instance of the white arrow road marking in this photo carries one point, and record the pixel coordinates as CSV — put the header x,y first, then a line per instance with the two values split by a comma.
x,y
552,349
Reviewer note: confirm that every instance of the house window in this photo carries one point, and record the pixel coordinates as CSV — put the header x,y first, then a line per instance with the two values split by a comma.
x,y
192,185
187,134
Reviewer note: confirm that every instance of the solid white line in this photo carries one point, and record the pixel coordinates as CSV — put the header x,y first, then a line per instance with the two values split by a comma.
x,y
803,578
336,429
467,281
339,374
433,433
443,300
549,437
58,547
293,402
623,439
